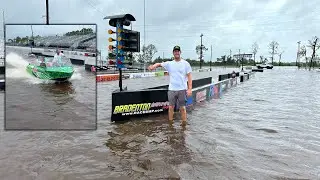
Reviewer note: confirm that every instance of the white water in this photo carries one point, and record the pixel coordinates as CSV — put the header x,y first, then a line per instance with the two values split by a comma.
x,y
17,70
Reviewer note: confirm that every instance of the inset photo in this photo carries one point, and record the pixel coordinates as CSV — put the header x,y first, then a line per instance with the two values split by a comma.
x,y
48,81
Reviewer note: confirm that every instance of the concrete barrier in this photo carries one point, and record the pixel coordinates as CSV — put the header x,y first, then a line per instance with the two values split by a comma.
x,y
109,77
127,104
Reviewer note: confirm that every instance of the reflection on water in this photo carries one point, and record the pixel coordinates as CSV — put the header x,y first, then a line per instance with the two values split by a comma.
x,y
158,145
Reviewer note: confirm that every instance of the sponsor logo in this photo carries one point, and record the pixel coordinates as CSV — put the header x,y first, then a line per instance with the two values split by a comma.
x,y
211,91
201,96
142,108
216,89
222,87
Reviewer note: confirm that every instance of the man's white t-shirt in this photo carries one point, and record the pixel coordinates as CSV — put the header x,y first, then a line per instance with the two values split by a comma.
x,y
55,58
178,71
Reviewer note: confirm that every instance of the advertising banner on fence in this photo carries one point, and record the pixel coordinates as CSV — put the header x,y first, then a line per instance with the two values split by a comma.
x,y
211,91
141,108
201,95
142,75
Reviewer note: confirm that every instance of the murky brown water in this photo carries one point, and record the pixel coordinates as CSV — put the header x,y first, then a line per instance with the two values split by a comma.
x,y
265,128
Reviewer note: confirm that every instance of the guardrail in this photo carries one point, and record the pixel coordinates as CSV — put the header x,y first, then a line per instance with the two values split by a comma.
x,y
127,104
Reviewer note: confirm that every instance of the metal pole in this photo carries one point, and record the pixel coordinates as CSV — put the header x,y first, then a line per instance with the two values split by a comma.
x,y
211,58
47,11
298,55
118,51
242,62
238,59
201,51
4,34
31,38
144,35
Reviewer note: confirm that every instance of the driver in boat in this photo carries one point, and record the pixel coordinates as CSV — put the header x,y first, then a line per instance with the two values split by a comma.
x,y
42,64
61,54
57,58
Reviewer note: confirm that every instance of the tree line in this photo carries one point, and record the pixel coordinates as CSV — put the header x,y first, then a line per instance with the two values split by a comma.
x,y
308,62
274,58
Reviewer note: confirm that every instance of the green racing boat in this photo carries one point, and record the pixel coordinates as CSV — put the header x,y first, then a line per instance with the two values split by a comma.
x,y
51,69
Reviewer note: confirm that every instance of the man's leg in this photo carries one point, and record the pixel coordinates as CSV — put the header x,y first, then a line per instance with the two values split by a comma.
x,y
182,103
172,101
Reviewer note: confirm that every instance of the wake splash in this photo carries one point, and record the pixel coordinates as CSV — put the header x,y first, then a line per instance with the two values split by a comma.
x,y
16,69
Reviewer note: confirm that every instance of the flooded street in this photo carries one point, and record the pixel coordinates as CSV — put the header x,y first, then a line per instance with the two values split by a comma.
x,y
265,128
32,103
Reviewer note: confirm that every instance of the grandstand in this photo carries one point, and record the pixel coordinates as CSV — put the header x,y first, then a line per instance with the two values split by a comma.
x,y
74,43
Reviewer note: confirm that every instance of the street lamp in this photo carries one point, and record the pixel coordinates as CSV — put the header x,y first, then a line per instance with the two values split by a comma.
x,y
201,46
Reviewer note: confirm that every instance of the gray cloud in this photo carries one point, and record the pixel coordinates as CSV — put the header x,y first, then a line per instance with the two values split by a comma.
x,y
226,25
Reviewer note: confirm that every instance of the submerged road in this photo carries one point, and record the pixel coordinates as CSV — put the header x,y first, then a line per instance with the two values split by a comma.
x,y
265,128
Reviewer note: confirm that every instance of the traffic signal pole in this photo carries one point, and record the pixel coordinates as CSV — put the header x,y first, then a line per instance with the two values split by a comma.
x,y
127,41
119,52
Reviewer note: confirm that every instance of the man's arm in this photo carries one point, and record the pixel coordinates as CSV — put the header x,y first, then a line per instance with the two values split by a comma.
x,y
189,76
156,65
189,81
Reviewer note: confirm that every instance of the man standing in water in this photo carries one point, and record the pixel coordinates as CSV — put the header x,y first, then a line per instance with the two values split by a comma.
x,y
180,73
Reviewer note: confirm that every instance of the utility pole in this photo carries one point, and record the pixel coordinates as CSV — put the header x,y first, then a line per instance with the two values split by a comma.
x,y
47,12
211,58
144,35
238,59
162,55
298,55
201,46
4,39
32,42
230,55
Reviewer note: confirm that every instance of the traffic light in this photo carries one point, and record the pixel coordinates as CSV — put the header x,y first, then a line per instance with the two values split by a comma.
x,y
126,40
130,41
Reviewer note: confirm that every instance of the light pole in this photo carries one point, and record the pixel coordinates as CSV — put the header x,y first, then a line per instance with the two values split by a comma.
x,y
201,46
211,58
144,35
47,12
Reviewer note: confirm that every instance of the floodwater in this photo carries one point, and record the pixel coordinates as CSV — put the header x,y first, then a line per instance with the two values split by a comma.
x,y
32,103
265,128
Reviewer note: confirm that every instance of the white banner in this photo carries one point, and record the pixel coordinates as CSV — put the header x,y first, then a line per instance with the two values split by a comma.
x,y
142,75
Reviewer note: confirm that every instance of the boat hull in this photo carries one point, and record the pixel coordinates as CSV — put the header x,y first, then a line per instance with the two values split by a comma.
x,y
51,73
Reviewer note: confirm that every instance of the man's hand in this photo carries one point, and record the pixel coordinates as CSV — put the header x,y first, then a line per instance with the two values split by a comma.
x,y
189,92
151,68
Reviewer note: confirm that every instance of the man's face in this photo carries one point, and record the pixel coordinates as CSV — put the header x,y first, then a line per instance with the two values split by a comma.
x,y
176,53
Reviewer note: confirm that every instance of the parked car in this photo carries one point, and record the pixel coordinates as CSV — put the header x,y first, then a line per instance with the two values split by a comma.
x,y
265,65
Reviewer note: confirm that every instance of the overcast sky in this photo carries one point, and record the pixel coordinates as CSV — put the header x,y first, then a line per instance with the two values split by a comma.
x,y
225,24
